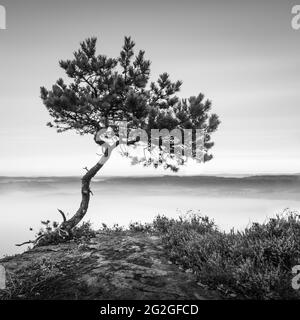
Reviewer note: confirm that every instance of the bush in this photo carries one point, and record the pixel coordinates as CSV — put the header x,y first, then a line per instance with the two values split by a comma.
x,y
50,234
83,232
114,229
140,227
255,263
33,281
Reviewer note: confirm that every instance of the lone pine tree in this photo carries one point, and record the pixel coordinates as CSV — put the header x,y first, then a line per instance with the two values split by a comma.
x,y
103,91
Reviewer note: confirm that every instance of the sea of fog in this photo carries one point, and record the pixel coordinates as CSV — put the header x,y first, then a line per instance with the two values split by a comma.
x,y
231,202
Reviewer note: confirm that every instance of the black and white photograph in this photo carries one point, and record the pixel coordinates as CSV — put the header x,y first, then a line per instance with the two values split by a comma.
x,y
149,150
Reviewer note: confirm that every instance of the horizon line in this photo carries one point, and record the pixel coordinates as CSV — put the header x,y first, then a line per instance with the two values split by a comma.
x,y
157,175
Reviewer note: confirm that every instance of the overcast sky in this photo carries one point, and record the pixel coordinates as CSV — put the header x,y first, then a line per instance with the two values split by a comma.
x,y
243,55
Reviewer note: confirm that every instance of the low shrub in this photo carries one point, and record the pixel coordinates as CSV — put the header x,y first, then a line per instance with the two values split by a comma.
x,y
255,263
34,280
140,227
50,234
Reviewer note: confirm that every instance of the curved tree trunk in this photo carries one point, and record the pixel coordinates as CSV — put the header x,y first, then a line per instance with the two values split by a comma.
x,y
85,185
85,194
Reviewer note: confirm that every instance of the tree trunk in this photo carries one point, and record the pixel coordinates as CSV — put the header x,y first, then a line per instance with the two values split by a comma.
x,y
85,194
85,184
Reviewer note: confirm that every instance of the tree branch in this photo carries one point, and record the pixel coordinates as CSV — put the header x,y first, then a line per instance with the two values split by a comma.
x,y
63,215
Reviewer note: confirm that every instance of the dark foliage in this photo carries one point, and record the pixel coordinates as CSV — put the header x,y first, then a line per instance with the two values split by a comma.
x,y
103,91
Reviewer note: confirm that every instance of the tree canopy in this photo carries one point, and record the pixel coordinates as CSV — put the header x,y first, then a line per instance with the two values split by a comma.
x,y
103,91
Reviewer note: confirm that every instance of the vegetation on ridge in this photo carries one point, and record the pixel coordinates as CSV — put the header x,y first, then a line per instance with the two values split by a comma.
x,y
255,263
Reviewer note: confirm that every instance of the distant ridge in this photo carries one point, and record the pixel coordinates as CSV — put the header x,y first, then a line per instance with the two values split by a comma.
x,y
270,180
221,176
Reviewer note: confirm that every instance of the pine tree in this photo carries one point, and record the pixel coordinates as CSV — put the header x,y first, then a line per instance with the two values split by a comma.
x,y
102,92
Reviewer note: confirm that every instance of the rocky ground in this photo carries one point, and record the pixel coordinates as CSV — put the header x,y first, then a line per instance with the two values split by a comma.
x,y
123,265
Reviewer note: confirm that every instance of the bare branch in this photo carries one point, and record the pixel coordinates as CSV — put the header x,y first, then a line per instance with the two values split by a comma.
x,y
27,242
63,215
34,242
